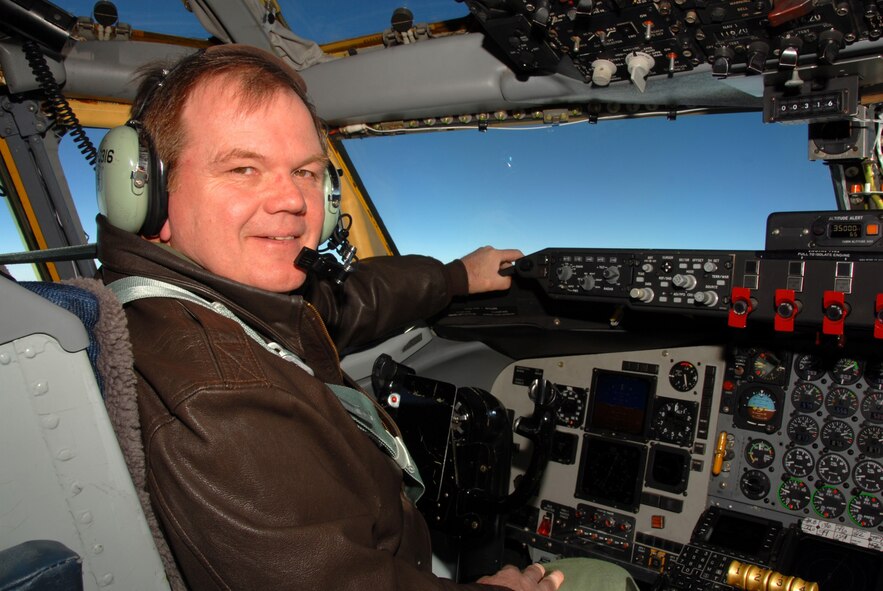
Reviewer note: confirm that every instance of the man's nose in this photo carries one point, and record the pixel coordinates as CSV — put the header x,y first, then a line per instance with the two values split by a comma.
x,y
285,195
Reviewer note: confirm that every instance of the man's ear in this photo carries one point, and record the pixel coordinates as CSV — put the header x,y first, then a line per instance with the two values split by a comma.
x,y
165,233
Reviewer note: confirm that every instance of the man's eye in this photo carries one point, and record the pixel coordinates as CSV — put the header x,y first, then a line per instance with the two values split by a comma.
x,y
243,170
304,173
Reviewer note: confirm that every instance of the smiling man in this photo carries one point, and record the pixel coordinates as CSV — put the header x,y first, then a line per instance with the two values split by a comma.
x,y
258,475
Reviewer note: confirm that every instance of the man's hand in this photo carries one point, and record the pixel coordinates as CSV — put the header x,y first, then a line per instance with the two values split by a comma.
x,y
483,268
532,578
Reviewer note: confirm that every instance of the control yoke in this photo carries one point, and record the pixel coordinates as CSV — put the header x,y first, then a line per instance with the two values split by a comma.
x,y
462,441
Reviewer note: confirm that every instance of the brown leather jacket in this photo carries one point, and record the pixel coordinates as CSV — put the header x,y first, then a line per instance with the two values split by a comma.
x,y
259,477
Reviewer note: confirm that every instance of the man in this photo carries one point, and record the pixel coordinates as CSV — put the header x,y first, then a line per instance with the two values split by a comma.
x,y
258,475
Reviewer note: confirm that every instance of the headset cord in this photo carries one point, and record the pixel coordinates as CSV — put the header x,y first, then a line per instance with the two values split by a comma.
x,y
64,114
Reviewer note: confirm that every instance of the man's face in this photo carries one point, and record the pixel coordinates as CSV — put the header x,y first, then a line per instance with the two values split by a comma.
x,y
248,187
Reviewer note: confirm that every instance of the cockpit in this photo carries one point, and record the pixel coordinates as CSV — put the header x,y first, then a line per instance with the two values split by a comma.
x,y
685,378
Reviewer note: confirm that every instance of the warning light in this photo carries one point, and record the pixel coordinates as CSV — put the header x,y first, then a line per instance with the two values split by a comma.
x,y
393,400
657,521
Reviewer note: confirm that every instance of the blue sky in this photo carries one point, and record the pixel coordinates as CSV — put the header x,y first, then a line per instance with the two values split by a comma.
x,y
697,182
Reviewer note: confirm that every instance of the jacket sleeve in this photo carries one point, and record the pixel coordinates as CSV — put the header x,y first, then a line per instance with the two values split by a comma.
x,y
385,294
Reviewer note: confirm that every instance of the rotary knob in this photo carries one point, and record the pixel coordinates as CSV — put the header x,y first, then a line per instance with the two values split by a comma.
x,y
835,312
721,61
564,272
611,274
684,281
706,298
588,283
642,294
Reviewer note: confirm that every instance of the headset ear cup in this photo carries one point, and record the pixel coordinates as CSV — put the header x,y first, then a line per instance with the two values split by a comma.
x,y
158,193
131,182
122,180
332,203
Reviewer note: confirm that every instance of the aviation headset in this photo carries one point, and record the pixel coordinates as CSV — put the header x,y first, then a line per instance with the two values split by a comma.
x,y
131,178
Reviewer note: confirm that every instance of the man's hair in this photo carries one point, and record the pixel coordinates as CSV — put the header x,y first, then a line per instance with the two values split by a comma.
x,y
163,91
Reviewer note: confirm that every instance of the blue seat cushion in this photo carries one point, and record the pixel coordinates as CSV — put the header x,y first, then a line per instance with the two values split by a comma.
x,y
40,565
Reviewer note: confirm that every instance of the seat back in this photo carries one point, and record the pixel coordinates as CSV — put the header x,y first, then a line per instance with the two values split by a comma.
x,y
64,476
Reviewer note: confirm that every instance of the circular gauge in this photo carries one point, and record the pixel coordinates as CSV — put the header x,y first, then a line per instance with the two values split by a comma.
x,y
807,397
760,453
829,502
841,402
798,462
673,421
837,436
868,476
759,404
866,510
872,407
870,441
832,469
794,494
766,367
754,484
846,371
808,367
874,373
683,376
803,430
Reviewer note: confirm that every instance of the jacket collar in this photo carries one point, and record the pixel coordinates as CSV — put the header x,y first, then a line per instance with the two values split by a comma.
x,y
281,317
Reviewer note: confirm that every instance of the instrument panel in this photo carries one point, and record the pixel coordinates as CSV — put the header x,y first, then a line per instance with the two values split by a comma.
x,y
633,452
804,437
674,462
601,41
766,448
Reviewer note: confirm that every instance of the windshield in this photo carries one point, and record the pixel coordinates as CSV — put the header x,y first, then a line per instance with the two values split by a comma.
x,y
695,182
704,182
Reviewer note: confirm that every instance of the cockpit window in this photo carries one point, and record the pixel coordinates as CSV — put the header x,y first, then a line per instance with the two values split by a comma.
x,y
698,182
323,21
169,17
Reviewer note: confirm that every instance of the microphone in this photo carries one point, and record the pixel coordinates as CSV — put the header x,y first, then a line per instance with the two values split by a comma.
x,y
326,265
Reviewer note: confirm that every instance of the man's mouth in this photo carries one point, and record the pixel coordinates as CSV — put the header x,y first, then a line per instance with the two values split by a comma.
x,y
279,237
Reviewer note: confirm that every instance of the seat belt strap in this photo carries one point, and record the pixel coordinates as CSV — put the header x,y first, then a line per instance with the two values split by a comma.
x,y
357,404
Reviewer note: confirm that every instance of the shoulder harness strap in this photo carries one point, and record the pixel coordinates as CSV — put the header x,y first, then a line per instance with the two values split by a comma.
x,y
357,404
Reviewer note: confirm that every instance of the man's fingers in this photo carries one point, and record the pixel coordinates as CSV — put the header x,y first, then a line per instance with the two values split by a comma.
x,y
552,581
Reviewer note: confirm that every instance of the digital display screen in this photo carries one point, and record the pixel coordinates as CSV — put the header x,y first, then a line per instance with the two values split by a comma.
x,y
620,401
611,472
668,468
833,565
739,534
845,230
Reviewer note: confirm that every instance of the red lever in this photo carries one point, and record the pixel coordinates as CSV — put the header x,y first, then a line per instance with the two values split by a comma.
x,y
740,307
786,310
878,322
834,312
788,10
